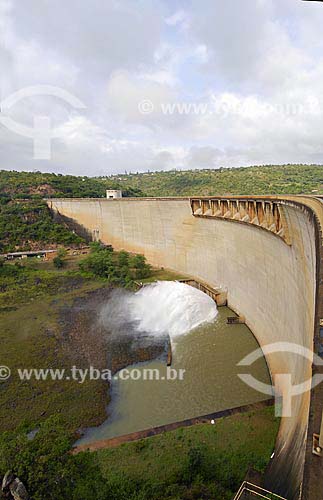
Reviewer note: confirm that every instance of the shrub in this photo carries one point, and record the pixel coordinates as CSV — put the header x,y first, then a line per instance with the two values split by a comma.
x,y
61,252
58,262
98,263
142,269
46,466
123,258
119,268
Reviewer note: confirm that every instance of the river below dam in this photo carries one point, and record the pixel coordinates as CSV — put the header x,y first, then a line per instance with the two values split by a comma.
x,y
208,353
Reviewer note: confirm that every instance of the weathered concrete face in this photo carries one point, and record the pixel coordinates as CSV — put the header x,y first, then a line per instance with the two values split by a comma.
x,y
271,281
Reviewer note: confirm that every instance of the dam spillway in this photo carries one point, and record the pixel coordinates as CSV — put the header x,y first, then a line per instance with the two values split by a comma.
x,y
267,253
204,371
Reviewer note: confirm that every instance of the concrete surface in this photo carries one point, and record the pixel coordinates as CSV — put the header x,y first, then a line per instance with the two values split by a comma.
x,y
272,283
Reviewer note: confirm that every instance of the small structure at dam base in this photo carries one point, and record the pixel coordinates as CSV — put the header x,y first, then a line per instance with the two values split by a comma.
x,y
318,442
217,294
169,354
236,320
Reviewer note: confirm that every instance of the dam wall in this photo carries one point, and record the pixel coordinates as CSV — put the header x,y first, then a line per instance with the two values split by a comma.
x,y
270,280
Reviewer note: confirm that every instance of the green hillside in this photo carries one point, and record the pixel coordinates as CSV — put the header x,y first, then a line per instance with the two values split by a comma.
x,y
26,222
258,180
269,179
36,185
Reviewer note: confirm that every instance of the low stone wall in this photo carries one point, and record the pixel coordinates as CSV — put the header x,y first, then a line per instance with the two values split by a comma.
x,y
154,431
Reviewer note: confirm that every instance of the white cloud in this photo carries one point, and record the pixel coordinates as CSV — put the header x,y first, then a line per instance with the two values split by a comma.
x,y
179,18
235,34
255,61
204,157
97,36
126,93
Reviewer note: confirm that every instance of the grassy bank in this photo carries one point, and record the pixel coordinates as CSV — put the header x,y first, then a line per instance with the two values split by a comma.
x,y
205,461
32,336
46,321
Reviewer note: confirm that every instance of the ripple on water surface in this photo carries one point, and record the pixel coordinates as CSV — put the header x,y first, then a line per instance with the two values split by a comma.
x,y
208,353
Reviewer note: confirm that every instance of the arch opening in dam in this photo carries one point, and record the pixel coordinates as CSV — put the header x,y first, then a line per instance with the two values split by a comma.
x,y
267,253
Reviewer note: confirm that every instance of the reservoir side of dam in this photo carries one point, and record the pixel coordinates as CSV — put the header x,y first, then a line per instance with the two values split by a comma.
x,y
270,280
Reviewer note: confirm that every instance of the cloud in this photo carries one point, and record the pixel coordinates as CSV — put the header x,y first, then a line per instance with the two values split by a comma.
x,y
179,18
126,92
96,36
204,157
236,34
251,63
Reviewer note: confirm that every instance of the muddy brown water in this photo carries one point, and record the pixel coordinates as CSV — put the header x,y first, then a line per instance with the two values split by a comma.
x,y
209,355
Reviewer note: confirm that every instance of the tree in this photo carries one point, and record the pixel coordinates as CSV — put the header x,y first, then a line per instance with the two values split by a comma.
x,y
99,263
142,269
123,258
58,262
95,246
46,466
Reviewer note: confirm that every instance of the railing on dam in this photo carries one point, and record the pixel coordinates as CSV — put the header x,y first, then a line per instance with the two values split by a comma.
x,y
249,491
264,213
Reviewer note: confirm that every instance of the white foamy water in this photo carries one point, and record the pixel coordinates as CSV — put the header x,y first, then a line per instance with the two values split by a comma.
x,y
170,307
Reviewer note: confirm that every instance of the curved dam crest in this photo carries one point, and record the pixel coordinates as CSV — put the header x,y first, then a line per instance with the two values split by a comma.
x,y
271,280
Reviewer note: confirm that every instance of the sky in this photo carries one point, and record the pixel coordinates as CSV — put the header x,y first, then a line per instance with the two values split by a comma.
x,y
137,85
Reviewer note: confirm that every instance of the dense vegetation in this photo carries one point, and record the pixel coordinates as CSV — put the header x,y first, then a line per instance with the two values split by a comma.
x,y
201,462
29,280
258,180
36,185
25,220
25,225
118,268
46,466
268,179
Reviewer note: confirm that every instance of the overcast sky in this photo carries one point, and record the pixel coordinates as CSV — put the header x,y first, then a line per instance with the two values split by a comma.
x,y
255,68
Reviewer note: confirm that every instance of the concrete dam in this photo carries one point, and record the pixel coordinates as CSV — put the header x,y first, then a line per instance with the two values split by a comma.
x,y
267,253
